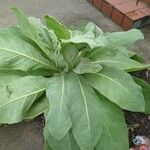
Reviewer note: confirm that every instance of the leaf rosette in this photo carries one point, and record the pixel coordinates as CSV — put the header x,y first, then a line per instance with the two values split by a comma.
x,y
79,77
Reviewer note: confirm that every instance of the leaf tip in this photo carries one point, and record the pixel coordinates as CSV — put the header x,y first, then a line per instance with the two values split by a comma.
x,y
14,8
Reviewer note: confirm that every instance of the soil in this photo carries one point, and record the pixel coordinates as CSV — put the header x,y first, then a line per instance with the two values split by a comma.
x,y
138,123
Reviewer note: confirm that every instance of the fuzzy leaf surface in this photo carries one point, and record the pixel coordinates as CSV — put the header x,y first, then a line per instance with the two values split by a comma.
x,y
19,96
37,108
126,38
16,54
115,132
87,66
67,143
60,30
33,28
123,63
58,119
88,38
85,113
119,87
146,92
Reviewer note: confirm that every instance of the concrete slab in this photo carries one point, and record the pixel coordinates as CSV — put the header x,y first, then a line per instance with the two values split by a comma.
x,y
28,136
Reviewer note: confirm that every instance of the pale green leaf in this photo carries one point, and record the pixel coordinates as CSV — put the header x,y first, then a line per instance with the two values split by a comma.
x,y
60,30
16,54
58,119
87,66
48,37
19,96
94,28
123,63
67,143
88,38
37,108
106,52
6,78
125,38
70,53
119,87
85,113
146,92
46,146
34,29
85,26
115,132
16,31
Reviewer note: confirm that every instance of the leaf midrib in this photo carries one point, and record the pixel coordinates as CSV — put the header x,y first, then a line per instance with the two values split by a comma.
x,y
27,57
84,98
114,81
20,98
113,61
61,98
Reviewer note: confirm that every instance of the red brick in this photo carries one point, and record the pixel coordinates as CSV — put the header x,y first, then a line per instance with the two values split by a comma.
x,y
127,23
135,15
115,2
97,3
107,9
145,11
117,16
130,6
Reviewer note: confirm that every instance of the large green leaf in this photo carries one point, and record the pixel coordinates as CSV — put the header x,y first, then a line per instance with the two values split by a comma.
x,y
19,96
37,108
16,54
60,30
115,132
85,113
146,92
119,87
87,66
88,38
58,119
33,28
48,37
126,38
122,62
67,143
